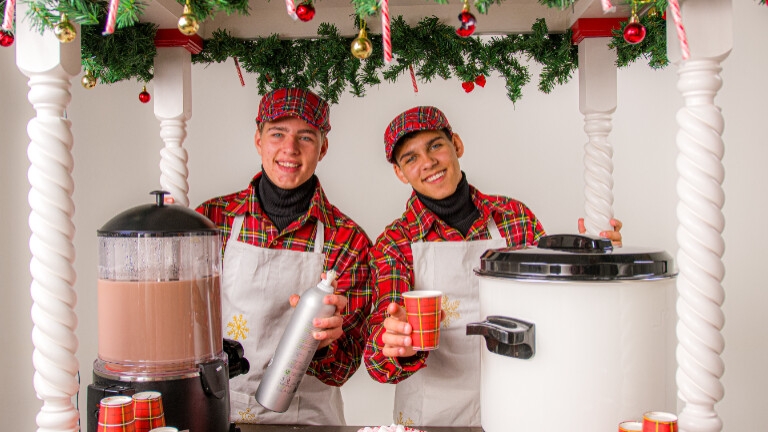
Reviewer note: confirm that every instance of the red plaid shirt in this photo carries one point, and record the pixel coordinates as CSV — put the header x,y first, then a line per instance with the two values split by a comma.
x,y
392,265
346,250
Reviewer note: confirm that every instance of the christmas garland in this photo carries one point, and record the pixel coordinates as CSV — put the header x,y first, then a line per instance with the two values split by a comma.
x,y
429,50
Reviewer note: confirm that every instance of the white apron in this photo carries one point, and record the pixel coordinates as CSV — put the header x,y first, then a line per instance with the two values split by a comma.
x,y
257,283
447,391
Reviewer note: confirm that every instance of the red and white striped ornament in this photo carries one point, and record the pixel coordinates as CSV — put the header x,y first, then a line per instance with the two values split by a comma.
x,y
291,8
10,9
111,17
386,34
239,72
413,79
685,51
608,6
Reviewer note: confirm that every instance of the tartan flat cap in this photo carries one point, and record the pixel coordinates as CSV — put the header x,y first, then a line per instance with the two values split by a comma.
x,y
296,102
413,120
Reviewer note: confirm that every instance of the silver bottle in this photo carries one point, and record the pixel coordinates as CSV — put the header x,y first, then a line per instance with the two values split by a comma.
x,y
296,347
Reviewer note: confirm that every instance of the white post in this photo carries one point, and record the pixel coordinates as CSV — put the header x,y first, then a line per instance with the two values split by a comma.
x,y
173,107
709,31
597,101
50,65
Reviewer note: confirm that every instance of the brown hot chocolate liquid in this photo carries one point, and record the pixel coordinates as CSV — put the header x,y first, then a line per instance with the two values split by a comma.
x,y
159,324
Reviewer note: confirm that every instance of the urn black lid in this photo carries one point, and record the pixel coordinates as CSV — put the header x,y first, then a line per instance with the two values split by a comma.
x,y
158,220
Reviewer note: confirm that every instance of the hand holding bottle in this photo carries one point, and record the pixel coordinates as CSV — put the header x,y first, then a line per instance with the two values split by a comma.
x,y
328,329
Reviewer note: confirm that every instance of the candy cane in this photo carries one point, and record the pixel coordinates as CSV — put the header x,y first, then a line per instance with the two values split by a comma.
x,y
10,6
675,5
386,37
239,72
111,17
608,6
291,9
413,80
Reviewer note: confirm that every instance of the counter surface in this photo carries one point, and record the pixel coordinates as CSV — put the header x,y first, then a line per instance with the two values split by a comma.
x,y
304,428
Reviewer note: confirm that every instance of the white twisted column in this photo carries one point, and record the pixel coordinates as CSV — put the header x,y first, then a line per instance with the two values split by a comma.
x,y
709,28
50,66
598,173
699,235
173,107
173,160
597,101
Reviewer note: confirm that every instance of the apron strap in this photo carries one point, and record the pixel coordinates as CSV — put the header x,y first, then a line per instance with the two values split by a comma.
x,y
237,225
495,231
319,237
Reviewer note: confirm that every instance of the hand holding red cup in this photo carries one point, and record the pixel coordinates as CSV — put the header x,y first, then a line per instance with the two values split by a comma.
x,y
422,309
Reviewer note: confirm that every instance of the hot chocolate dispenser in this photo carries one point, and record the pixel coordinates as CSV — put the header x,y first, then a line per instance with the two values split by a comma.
x,y
159,316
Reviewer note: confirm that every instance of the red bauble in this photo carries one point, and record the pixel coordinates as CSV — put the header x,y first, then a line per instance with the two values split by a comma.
x,y
468,86
6,38
144,96
467,19
466,24
480,80
465,31
305,11
634,33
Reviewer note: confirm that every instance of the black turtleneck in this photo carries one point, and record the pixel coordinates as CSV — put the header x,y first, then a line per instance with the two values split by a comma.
x,y
284,206
457,210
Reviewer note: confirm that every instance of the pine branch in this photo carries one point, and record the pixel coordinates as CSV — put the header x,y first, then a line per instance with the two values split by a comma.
x,y
653,47
126,54
560,4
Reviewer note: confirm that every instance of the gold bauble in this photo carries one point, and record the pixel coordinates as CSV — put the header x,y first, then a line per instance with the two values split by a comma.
x,y
65,32
361,46
188,22
88,81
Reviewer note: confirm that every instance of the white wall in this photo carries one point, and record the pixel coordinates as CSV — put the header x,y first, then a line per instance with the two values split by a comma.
x,y
531,150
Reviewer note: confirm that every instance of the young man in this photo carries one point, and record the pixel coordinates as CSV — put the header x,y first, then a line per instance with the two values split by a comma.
x,y
446,227
279,234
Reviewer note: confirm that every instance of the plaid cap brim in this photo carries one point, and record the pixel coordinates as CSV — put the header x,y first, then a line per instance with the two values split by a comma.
x,y
295,102
413,120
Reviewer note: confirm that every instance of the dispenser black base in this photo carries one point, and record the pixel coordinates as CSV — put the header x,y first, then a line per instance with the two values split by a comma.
x,y
197,401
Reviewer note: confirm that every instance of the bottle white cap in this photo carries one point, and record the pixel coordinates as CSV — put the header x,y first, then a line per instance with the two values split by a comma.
x,y
325,284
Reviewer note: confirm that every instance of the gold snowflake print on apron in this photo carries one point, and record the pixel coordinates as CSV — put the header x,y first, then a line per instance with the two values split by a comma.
x,y
237,328
451,311
247,416
403,422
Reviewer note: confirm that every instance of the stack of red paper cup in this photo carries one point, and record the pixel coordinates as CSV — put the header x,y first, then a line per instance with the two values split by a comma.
x,y
630,426
116,414
653,421
148,411
656,421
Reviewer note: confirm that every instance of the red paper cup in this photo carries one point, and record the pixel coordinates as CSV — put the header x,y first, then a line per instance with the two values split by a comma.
x,y
655,421
148,411
422,309
629,426
116,414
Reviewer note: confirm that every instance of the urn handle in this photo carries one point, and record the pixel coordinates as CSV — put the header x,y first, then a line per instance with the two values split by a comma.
x,y
506,336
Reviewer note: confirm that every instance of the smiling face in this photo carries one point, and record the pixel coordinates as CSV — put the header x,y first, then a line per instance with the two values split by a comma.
x,y
429,162
290,149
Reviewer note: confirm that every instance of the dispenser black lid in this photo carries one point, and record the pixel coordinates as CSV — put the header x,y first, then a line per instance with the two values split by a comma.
x,y
158,220
576,257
